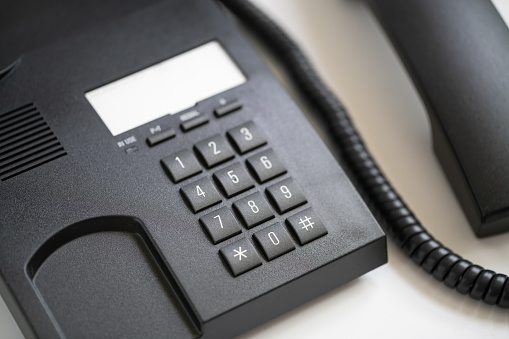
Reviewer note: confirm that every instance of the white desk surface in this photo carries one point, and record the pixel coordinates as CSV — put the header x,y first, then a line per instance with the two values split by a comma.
x,y
398,300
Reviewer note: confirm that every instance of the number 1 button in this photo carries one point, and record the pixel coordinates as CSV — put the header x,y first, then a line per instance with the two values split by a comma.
x,y
181,165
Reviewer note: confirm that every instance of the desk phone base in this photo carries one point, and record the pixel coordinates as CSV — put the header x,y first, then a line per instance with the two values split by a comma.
x,y
157,181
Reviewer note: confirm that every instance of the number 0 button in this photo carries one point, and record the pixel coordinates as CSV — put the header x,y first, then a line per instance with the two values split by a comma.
x,y
274,241
201,194
181,165
214,150
246,137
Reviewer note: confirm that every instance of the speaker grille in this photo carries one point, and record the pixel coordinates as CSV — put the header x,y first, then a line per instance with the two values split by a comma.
x,y
26,141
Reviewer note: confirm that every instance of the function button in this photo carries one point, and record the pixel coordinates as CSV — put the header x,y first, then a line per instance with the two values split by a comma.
x,y
233,180
220,225
181,165
274,241
307,226
201,194
240,256
246,137
228,108
286,195
161,136
253,210
214,150
193,123
266,165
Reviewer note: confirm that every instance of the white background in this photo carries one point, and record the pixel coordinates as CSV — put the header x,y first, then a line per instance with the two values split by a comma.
x,y
397,300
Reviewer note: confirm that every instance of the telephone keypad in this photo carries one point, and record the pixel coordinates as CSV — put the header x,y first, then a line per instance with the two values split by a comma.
x,y
286,195
220,224
233,180
253,210
246,137
201,194
181,165
265,165
214,150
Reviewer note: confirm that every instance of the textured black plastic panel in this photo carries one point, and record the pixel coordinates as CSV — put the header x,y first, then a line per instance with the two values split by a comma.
x,y
105,225
457,53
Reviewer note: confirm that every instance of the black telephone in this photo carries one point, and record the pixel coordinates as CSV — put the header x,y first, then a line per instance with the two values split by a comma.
x,y
130,208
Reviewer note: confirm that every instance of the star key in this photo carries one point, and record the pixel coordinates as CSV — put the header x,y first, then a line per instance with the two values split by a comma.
x,y
240,257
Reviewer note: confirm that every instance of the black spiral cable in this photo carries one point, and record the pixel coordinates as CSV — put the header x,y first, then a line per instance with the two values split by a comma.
x,y
398,220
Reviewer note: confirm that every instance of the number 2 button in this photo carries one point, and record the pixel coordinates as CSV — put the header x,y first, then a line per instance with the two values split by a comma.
x,y
214,150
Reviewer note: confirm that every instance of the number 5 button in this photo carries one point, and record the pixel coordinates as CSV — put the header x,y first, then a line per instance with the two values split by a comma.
x,y
233,180
286,195
246,137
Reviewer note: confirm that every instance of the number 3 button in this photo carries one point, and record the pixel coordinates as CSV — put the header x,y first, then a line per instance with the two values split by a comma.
x,y
246,137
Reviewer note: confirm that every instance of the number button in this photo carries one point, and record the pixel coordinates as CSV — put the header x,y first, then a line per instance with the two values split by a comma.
x,y
306,226
233,180
181,165
253,210
214,150
265,165
201,194
246,137
274,241
220,225
240,256
286,195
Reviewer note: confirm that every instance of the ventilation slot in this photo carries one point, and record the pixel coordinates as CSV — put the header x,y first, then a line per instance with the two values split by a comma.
x,y
26,141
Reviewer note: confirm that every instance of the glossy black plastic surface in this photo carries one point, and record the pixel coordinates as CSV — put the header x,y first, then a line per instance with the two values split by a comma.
x,y
457,53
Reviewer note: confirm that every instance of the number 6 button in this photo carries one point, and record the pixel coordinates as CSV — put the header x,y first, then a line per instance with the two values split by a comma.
x,y
265,165
246,137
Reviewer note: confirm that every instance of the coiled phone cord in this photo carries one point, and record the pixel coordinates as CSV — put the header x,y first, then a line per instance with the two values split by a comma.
x,y
398,220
